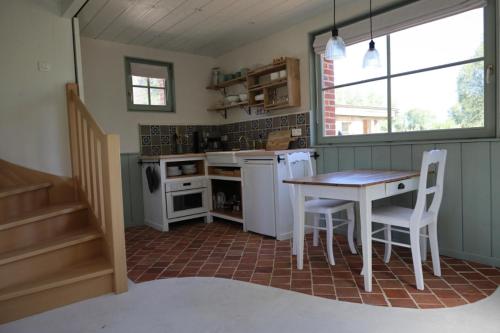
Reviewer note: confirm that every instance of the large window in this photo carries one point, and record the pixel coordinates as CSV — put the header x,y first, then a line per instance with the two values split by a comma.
x,y
431,85
150,85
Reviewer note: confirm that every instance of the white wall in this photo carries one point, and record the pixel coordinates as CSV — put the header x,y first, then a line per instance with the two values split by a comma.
x,y
105,94
292,42
33,121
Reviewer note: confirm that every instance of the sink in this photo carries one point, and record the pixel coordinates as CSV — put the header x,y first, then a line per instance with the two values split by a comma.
x,y
226,157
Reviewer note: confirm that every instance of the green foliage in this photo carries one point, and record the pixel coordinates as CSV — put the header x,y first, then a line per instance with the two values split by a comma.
x,y
413,120
469,111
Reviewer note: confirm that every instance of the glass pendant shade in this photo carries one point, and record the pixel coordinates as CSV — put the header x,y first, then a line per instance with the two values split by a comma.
x,y
372,57
335,48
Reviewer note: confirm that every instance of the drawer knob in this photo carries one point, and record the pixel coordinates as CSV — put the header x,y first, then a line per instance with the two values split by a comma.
x,y
401,186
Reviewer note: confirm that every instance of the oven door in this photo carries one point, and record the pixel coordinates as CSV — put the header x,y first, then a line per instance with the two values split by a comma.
x,y
185,203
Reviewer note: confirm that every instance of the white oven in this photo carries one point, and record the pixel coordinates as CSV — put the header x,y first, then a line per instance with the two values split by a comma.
x,y
184,198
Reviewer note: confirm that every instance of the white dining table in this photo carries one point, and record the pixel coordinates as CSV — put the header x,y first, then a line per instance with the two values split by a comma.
x,y
362,186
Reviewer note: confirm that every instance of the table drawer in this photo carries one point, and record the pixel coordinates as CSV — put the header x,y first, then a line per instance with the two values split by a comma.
x,y
402,186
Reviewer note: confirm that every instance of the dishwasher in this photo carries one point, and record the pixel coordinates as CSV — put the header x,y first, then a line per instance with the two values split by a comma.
x,y
259,195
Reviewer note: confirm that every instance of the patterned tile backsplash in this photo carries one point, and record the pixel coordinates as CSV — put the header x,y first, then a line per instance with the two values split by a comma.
x,y
158,139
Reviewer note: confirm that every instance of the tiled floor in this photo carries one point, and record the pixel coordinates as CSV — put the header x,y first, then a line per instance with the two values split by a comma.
x,y
222,249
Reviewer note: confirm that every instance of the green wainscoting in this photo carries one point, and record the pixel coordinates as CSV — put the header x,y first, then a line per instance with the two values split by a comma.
x,y
133,208
469,220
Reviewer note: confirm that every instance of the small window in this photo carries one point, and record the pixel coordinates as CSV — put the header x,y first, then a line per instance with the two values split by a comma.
x,y
150,85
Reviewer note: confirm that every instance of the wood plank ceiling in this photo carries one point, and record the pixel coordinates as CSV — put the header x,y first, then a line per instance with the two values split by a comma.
x,y
205,27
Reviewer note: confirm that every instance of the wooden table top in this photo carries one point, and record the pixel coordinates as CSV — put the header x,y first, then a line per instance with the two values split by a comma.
x,y
354,178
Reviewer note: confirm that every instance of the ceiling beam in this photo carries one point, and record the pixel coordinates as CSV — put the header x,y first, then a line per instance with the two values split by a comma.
x,y
69,8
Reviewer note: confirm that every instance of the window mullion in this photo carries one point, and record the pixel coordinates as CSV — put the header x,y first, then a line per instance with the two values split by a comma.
x,y
389,94
149,93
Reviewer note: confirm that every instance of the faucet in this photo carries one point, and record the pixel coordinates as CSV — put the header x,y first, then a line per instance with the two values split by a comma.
x,y
246,141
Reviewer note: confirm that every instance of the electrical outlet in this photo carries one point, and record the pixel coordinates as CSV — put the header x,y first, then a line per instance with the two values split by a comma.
x,y
43,66
296,131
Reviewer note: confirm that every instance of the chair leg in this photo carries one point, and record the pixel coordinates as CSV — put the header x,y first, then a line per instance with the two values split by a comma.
x,y
350,229
423,244
329,238
417,260
388,246
433,239
316,230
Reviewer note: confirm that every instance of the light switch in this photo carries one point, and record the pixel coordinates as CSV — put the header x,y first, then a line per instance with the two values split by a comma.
x,y
43,66
296,131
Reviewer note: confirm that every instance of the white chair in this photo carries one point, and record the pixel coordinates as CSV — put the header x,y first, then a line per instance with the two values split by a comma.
x,y
416,219
322,207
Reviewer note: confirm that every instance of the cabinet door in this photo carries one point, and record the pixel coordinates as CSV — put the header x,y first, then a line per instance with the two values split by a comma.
x,y
258,205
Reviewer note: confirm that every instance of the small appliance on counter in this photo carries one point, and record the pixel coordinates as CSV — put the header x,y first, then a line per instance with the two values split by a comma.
x,y
214,143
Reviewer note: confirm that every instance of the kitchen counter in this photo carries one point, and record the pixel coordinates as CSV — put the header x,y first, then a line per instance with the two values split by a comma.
x,y
260,152
172,156
272,152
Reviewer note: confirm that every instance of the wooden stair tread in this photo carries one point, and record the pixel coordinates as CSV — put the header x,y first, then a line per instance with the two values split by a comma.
x,y
68,239
42,214
13,190
84,270
7,176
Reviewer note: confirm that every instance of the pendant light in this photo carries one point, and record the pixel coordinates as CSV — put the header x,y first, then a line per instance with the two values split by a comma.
x,y
372,58
335,48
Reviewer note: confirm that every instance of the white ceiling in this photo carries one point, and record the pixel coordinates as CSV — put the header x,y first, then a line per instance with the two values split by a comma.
x,y
205,27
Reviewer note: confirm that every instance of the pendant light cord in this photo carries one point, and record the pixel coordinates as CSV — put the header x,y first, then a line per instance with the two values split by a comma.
x,y
334,15
371,26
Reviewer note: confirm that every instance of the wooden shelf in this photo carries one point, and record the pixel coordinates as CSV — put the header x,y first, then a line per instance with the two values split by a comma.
x,y
257,105
231,106
264,70
228,83
277,106
271,84
255,86
186,176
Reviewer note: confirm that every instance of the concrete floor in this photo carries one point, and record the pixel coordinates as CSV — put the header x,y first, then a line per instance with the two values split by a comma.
x,y
222,305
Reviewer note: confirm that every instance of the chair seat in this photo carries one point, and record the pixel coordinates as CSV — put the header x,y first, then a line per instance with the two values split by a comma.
x,y
398,216
326,206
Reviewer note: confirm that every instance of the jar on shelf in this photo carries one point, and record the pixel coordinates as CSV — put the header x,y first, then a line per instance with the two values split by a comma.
x,y
215,76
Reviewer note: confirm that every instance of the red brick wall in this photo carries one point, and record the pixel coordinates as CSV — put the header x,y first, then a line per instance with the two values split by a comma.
x,y
328,99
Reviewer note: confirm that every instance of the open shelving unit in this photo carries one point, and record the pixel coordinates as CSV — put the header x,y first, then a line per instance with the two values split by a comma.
x,y
258,81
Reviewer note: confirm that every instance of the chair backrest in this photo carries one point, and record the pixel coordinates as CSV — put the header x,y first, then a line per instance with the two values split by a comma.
x,y
290,160
433,162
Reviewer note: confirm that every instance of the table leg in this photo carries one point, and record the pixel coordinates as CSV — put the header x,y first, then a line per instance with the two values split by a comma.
x,y
300,227
365,214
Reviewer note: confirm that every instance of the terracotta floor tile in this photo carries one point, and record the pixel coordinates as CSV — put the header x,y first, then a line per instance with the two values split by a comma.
x,y
347,292
484,284
345,283
445,293
426,299
301,283
350,299
329,296
396,293
430,306
437,284
402,303
374,299
390,284
323,289
223,250
451,302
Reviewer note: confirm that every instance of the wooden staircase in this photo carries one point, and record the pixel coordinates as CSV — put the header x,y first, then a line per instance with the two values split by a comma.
x,y
59,244
50,253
